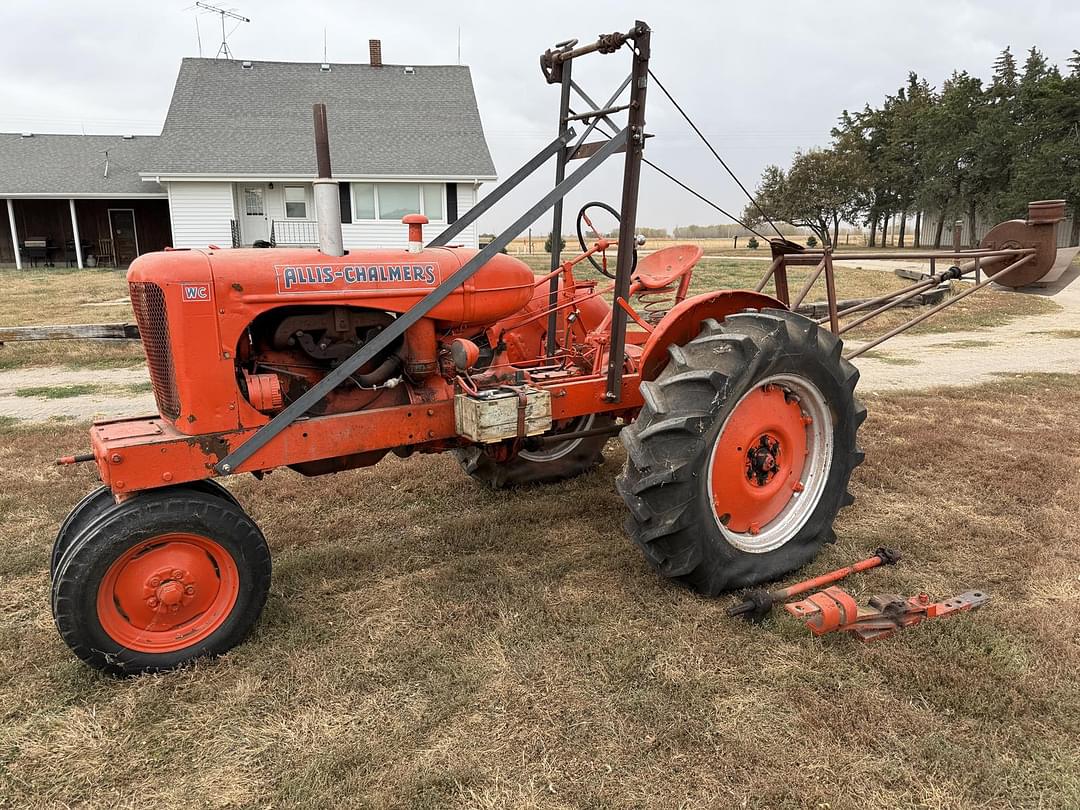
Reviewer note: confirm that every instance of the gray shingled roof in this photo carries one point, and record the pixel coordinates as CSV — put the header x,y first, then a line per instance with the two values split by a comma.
x,y
74,165
225,119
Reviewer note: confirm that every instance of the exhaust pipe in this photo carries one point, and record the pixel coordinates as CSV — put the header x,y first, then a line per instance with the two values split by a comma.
x,y
327,193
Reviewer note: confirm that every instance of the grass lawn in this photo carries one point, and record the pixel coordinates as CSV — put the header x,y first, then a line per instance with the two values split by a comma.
x,y
430,643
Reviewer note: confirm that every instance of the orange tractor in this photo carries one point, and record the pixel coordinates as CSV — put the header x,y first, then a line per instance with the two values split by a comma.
x,y
738,415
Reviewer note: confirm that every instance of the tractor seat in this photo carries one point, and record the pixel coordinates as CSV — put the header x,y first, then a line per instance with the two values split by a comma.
x,y
661,269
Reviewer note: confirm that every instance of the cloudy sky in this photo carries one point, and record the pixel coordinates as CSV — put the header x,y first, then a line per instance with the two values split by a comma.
x,y
762,78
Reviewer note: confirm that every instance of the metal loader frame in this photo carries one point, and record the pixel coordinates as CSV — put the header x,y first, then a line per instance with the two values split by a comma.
x,y
556,66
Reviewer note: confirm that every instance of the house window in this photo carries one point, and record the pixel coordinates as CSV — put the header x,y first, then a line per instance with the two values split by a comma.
x,y
295,202
253,202
392,201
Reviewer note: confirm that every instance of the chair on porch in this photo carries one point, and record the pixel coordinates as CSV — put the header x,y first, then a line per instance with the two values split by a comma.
x,y
105,255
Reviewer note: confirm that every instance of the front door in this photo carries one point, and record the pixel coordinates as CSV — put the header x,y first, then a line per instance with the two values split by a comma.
x,y
254,222
124,237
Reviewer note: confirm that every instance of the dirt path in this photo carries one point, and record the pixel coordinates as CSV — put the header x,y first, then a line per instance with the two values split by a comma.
x,y
1040,343
110,393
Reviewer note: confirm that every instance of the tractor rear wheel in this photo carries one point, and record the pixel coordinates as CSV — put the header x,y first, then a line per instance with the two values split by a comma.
x,y
546,464
740,458
97,503
161,579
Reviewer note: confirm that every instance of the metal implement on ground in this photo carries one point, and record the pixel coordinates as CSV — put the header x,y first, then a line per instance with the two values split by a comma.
x,y
738,415
834,609
758,603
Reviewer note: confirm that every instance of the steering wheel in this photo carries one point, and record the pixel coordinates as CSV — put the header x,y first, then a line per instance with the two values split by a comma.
x,y
583,218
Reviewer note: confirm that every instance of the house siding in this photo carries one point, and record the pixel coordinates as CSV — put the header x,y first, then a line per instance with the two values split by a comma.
x,y
201,214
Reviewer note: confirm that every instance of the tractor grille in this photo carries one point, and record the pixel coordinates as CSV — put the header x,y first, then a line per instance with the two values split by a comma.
x,y
148,301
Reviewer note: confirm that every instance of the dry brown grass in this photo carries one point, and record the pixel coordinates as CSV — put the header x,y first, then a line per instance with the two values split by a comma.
x,y
428,643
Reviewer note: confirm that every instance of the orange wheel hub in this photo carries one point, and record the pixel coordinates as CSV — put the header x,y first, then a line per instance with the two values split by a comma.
x,y
168,593
759,459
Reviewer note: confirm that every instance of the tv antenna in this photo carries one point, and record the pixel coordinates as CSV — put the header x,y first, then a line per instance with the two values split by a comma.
x,y
223,49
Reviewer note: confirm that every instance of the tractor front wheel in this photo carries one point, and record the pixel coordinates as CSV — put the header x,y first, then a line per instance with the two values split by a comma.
x,y
161,579
740,458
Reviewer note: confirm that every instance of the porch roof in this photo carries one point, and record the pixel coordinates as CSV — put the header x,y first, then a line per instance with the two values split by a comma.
x,y
75,166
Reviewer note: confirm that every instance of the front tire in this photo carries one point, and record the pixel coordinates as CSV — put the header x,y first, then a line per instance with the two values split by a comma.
x,y
159,580
740,458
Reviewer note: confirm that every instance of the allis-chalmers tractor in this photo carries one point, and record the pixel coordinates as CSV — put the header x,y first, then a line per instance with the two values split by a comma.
x,y
738,415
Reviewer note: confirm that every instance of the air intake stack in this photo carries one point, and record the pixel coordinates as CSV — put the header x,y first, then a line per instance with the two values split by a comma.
x,y
327,193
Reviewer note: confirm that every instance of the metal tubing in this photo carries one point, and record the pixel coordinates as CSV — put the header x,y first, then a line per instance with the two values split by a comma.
x,y
830,286
810,283
769,273
920,318
501,190
889,296
592,125
635,145
557,211
419,310
813,256
892,304
322,140
597,114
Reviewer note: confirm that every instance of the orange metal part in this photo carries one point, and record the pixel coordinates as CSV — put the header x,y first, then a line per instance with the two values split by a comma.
x,y
683,322
835,609
168,593
759,458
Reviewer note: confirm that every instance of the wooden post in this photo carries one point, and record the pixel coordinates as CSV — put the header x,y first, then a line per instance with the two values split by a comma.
x,y
75,230
957,232
14,234
735,246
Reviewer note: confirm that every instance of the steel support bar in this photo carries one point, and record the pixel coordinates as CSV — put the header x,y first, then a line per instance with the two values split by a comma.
x,y
635,145
809,283
597,114
830,289
501,190
894,295
592,124
561,157
769,273
419,310
934,310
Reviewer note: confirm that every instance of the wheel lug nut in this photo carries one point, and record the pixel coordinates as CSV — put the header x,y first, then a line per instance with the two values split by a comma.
x,y
155,582
189,590
177,574
152,601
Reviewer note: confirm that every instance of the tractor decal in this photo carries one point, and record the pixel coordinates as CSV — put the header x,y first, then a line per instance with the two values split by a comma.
x,y
343,278
196,292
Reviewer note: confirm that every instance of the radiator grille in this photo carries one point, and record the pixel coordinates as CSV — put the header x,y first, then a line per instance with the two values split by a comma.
x,y
148,301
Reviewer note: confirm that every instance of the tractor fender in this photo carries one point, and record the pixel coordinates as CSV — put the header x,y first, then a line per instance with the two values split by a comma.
x,y
683,323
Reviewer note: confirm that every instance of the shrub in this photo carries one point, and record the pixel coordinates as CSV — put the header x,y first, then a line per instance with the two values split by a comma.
x,y
547,244
811,241
753,243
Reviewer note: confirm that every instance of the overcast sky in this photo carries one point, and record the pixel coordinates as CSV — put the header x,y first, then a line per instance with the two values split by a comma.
x,y
761,78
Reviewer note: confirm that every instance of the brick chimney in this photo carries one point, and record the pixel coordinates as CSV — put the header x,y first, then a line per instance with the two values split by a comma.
x,y
375,46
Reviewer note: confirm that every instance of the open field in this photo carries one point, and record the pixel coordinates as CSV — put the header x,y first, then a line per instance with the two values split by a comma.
x,y
60,295
429,643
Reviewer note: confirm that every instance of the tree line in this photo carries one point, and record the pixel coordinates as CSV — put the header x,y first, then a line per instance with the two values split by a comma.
x,y
967,149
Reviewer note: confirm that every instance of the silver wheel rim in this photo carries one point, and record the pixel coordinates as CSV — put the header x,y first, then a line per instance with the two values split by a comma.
x,y
557,450
814,477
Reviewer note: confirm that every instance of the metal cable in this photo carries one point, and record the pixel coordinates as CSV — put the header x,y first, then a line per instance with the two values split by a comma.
x,y
703,198
716,154
697,194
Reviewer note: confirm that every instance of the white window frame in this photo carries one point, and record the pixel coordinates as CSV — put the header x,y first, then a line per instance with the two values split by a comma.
x,y
375,191
285,201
